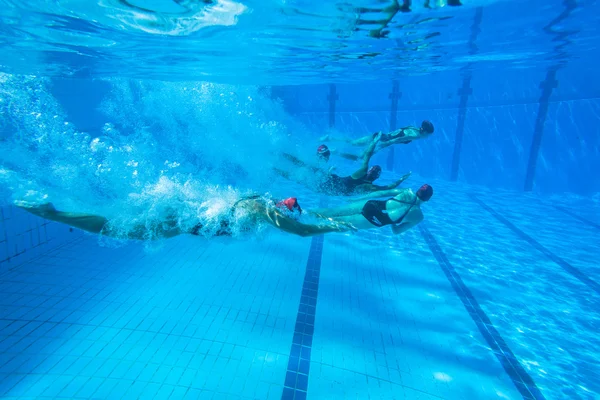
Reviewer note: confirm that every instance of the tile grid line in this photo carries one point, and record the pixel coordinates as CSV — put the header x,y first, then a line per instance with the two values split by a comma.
x,y
518,375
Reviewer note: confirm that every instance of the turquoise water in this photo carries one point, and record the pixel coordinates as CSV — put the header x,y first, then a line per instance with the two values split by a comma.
x,y
142,111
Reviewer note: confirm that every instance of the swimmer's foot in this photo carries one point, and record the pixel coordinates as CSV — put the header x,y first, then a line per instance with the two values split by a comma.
x,y
42,210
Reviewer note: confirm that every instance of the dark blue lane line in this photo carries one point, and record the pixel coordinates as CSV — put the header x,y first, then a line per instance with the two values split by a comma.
x,y
572,214
562,263
465,92
547,86
296,376
394,96
519,376
562,40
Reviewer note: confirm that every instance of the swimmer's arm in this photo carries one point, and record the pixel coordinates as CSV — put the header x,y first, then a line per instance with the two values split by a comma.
x,y
347,209
403,227
290,225
392,185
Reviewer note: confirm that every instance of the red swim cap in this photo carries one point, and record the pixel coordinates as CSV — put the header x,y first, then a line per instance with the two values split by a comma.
x,y
322,149
323,152
291,204
425,192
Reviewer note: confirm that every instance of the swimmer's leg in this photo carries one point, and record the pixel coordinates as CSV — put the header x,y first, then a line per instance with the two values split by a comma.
x,y
364,166
93,223
87,222
349,156
362,141
282,173
294,160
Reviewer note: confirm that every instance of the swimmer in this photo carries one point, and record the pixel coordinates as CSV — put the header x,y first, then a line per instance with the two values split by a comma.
x,y
401,212
323,155
399,136
360,182
282,215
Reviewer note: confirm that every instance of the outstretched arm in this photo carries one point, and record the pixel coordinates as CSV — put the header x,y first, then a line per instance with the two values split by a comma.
x,y
290,225
393,185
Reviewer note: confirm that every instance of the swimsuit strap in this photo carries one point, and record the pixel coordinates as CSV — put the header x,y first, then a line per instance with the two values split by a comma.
x,y
407,211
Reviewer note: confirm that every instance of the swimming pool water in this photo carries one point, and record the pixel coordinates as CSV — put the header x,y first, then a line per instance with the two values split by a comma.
x,y
491,297
141,109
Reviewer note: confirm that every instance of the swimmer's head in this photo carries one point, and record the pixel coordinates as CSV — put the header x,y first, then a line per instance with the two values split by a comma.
x,y
425,192
374,173
323,153
427,127
290,207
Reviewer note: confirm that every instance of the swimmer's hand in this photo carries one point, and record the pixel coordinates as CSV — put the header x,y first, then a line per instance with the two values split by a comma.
x,y
404,177
377,137
324,138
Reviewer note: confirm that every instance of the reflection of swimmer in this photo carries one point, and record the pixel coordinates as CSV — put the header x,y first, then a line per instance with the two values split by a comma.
x,y
402,212
399,136
282,215
360,182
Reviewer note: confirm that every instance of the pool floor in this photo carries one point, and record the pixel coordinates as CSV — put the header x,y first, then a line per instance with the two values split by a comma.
x,y
495,295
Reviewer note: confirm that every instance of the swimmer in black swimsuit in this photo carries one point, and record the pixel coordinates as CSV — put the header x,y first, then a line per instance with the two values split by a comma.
x,y
282,215
360,182
399,136
402,211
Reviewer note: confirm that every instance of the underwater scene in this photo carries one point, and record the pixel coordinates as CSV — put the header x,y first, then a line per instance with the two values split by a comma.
x,y
289,199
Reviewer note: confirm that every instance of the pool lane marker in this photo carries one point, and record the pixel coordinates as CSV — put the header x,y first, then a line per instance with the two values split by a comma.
x,y
583,278
519,376
296,376
572,214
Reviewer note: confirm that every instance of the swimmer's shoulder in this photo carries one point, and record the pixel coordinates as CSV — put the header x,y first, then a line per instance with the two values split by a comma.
x,y
405,195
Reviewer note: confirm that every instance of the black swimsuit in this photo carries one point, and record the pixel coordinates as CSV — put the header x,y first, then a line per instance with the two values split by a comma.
x,y
224,227
341,185
375,211
386,137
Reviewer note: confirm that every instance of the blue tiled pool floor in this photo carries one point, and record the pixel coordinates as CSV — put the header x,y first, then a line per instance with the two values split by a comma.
x,y
220,319
207,320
